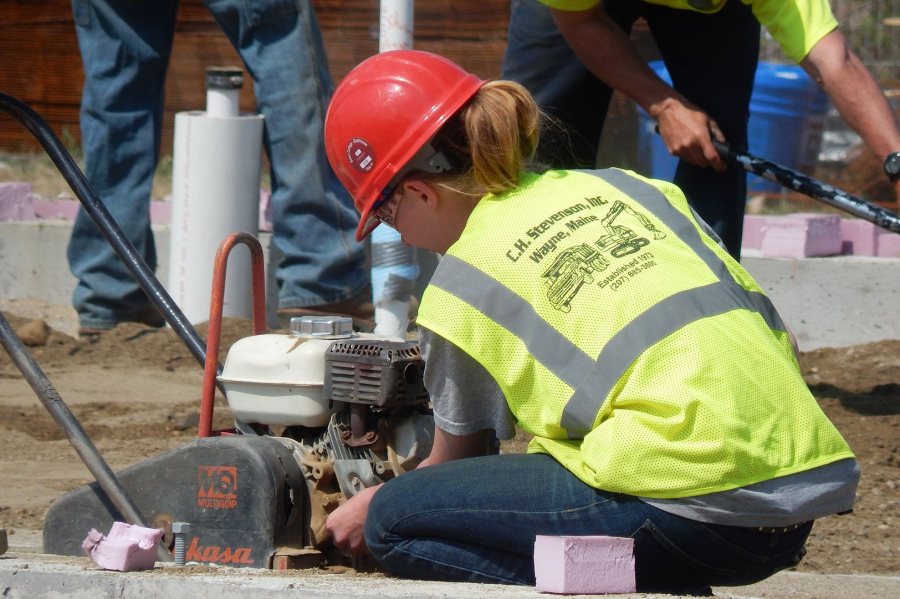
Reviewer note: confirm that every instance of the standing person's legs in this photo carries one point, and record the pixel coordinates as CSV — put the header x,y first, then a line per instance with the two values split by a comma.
x,y
313,216
538,57
125,47
476,520
714,70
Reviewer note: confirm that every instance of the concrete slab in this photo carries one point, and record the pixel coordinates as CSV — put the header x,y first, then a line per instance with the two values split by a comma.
x,y
30,576
796,585
832,301
827,301
33,266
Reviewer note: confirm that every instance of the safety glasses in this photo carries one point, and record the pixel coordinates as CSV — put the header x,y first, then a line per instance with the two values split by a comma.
x,y
427,160
386,212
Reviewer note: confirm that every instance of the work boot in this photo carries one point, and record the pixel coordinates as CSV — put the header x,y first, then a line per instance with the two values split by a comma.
x,y
148,316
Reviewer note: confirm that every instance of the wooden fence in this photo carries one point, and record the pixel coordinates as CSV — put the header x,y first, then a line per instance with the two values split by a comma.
x,y
40,63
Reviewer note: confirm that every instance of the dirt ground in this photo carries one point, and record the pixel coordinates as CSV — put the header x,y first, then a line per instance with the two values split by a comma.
x,y
136,391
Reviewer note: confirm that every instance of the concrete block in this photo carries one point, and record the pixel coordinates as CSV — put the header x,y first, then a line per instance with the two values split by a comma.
x,y
584,565
125,548
802,236
16,201
753,231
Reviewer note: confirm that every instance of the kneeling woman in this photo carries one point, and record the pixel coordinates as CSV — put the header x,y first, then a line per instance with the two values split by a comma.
x,y
593,310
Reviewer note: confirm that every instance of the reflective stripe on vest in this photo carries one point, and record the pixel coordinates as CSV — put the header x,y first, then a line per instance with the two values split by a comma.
x,y
568,362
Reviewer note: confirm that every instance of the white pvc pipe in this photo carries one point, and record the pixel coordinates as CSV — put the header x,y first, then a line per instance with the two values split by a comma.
x,y
394,267
396,25
223,102
215,192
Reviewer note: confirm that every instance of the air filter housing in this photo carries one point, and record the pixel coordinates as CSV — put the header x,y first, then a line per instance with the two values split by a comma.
x,y
374,372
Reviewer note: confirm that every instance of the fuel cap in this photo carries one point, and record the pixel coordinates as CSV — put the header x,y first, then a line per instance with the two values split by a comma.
x,y
322,327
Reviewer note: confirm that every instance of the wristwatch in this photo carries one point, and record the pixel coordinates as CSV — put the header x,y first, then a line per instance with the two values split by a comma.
x,y
892,166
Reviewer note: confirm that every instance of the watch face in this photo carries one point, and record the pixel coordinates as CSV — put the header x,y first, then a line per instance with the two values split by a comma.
x,y
892,166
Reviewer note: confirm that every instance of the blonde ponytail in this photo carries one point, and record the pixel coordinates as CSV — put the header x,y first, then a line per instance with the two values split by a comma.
x,y
493,139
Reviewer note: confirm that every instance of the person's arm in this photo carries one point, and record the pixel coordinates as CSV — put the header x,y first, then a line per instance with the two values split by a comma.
x,y
453,380
606,51
855,94
347,523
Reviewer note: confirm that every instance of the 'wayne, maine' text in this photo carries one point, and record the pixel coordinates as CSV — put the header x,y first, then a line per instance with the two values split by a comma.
x,y
521,245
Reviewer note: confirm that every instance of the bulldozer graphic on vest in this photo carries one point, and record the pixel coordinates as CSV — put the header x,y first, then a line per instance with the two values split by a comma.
x,y
572,269
574,266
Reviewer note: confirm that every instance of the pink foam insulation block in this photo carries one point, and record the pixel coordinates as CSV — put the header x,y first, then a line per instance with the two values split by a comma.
x,y
62,209
860,237
584,565
753,231
160,213
125,548
16,201
802,236
265,210
889,245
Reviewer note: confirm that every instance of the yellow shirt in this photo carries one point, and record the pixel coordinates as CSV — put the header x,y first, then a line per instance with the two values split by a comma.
x,y
797,25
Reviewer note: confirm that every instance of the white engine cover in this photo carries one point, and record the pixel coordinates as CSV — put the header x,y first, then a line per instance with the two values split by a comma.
x,y
277,380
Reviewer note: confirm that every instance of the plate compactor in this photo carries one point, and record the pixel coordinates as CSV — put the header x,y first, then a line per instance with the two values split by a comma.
x,y
319,413
334,412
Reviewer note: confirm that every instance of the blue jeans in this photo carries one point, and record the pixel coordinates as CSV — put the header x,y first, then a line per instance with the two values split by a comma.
x,y
125,47
712,60
476,520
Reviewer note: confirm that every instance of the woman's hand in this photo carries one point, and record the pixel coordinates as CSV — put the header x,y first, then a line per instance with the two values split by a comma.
x,y
347,524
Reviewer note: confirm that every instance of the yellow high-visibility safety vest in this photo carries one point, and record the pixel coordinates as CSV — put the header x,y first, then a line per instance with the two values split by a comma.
x,y
637,352
797,25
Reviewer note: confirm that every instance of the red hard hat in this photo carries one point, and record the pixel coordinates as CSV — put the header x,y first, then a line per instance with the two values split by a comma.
x,y
382,117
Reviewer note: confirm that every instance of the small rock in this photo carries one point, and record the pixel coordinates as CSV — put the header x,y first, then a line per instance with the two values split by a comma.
x,y
34,333
192,420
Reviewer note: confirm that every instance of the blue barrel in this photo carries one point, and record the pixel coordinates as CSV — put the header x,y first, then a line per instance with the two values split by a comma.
x,y
787,112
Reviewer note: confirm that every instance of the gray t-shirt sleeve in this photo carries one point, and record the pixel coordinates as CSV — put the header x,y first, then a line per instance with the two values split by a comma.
x,y
464,397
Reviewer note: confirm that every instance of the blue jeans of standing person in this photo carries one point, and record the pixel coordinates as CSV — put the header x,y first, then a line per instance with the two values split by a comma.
x,y
476,520
712,61
125,47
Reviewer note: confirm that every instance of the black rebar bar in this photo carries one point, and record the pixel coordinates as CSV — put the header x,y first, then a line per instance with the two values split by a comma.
x,y
809,186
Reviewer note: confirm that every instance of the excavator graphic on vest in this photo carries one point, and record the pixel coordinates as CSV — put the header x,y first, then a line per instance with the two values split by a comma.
x,y
620,240
574,267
